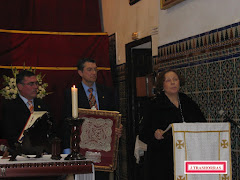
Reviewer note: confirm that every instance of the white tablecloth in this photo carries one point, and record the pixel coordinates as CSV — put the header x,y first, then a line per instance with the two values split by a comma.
x,y
86,176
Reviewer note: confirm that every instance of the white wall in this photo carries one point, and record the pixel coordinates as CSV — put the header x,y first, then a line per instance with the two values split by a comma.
x,y
188,18
121,18
192,17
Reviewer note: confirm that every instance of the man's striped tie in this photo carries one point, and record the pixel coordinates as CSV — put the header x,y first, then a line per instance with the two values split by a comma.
x,y
30,106
92,99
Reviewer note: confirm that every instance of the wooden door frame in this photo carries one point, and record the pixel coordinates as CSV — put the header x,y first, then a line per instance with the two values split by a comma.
x,y
131,93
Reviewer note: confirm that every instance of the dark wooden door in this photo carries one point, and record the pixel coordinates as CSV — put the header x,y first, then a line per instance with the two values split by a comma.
x,y
138,63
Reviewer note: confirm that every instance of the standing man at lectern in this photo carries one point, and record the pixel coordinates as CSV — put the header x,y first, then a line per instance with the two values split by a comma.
x,y
17,111
91,95
169,106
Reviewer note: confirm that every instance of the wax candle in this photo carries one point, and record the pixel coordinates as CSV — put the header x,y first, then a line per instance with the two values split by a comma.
x,y
74,91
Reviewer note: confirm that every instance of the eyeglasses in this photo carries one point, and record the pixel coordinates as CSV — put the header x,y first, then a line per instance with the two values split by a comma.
x,y
31,83
92,69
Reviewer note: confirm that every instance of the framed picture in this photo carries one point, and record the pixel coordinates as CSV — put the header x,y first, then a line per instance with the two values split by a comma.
x,y
165,4
131,2
98,141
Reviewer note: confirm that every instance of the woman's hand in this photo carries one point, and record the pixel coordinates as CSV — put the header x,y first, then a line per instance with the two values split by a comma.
x,y
159,134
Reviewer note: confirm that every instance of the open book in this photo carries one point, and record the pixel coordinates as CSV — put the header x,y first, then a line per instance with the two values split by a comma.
x,y
31,120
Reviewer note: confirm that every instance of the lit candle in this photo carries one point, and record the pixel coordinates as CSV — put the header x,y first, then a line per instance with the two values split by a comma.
x,y
74,91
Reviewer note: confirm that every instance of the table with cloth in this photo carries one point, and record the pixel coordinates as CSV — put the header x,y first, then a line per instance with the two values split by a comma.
x,y
45,166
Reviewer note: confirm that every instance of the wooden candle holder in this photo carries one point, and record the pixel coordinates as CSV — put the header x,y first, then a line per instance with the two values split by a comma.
x,y
75,124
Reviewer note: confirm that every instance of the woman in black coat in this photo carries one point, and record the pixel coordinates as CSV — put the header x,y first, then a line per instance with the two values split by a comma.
x,y
170,106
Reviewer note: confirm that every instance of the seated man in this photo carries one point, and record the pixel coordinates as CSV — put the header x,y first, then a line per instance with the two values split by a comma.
x,y
17,111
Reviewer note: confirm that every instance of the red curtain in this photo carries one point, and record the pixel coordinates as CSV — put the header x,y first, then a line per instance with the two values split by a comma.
x,y
50,15
55,51
39,50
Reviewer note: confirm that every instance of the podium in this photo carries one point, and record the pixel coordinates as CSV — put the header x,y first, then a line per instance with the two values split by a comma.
x,y
201,142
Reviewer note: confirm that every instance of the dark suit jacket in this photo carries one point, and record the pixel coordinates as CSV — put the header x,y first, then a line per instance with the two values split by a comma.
x,y
106,100
15,116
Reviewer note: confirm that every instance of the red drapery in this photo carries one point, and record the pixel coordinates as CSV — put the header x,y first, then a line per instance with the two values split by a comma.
x,y
54,51
48,50
50,15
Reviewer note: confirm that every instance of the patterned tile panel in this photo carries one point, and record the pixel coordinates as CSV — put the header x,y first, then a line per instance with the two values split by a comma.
x,y
237,67
237,104
228,74
215,76
214,105
235,174
203,103
190,79
202,82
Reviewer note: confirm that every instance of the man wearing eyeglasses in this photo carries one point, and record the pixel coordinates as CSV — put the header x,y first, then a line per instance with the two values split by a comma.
x,y
17,111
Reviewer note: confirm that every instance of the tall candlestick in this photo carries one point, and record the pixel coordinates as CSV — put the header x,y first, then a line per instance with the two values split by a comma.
x,y
74,91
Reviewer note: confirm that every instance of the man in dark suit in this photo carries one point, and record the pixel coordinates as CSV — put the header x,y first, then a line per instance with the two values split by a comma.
x,y
103,95
16,111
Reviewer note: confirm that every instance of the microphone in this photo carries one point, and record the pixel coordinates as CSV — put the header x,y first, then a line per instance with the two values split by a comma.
x,y
227,118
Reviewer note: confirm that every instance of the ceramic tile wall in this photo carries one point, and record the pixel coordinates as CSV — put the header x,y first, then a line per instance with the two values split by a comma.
x,y
210,63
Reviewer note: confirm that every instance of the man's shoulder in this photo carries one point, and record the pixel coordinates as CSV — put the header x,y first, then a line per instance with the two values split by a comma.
x,y
10,105
40,105
105,91
38,100
15,101
103,87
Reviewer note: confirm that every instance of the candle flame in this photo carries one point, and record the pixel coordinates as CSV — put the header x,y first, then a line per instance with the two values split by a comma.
x,y
73,86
